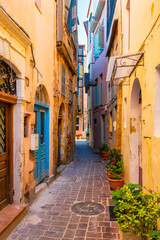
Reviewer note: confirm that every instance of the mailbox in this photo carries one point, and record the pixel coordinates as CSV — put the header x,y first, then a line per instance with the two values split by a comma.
x,y
34,141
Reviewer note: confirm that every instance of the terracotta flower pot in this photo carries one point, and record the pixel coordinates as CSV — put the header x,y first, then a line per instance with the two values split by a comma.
x,y
104,154
115,183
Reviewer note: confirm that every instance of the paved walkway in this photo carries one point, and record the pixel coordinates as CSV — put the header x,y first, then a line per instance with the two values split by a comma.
x,y
50,216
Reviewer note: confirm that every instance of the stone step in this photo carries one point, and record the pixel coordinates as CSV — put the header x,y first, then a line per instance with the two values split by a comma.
x,y
10,216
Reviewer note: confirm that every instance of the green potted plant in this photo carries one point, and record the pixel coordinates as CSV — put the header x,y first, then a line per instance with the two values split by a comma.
x,y
104,151
115,169
137,210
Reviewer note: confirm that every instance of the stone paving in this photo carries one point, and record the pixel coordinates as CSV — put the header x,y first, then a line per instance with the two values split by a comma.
x,y
50,216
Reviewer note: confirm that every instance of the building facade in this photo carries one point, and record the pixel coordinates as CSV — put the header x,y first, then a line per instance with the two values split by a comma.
x,y
29,88
135,71
97,68
82,116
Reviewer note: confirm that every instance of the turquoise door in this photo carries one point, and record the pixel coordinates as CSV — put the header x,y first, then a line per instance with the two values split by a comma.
x,y
42,129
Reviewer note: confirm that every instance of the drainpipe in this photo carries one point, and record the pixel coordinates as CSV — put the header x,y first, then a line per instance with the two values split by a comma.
x,y
121,34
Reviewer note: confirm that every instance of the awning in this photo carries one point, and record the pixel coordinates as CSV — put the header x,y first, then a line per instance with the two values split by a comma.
x,y
122,66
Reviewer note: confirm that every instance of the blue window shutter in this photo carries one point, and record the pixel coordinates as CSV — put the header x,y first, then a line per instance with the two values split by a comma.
x,y
96,45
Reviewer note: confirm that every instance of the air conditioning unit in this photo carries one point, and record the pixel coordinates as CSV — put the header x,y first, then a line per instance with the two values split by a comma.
x,y
34,142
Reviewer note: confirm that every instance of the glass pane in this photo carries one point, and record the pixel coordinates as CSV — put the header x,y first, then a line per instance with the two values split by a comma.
x,y
42,127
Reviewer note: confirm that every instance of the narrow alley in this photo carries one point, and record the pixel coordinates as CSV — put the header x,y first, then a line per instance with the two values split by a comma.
x,y
52,215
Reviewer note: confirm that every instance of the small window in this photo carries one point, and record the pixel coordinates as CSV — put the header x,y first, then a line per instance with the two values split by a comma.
x,y
96,94
77,121
77,124
25,126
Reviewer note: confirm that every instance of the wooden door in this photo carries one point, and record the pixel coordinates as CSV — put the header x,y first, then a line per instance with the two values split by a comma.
x,y
4,161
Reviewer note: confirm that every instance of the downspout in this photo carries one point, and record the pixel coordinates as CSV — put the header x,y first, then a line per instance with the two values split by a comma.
x,y
121,34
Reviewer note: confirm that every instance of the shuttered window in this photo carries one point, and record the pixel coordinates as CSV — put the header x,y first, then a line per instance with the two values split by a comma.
x,y
70,91
99,41
63,81
96,95
101,37
96,46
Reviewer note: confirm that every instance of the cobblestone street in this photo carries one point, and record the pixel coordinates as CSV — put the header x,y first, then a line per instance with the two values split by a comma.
x,y
51,215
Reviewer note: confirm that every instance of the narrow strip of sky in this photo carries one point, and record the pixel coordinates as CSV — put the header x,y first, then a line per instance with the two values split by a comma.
x,y
82,15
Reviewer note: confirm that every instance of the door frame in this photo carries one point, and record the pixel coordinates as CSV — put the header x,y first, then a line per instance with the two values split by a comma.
x,y
10,100
46,135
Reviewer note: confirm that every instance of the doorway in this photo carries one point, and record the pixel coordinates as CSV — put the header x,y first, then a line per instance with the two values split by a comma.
x,y
4,155
42,154
135,134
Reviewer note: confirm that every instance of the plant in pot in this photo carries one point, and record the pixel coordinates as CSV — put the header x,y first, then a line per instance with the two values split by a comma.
x,y
137,210
104,151
115,169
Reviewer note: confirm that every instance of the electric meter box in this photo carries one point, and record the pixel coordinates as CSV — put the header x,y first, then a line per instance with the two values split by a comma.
x,y
34,142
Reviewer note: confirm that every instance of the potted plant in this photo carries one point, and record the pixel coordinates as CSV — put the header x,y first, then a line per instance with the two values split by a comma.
x,y
137,210
115,169
104,151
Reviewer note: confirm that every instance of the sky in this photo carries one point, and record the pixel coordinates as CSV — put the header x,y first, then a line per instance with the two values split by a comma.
x,y
82,15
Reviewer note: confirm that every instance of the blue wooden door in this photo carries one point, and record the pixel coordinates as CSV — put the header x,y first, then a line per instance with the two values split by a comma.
x,y
42,154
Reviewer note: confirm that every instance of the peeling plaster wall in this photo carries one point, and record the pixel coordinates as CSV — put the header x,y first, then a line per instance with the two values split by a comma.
x,y
43,38
145,34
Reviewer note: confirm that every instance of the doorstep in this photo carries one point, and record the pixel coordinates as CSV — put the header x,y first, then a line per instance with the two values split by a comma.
x,y
10,216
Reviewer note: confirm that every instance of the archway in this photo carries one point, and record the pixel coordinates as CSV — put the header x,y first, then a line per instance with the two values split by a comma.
x,y
135,133
60,131
41,109
8,99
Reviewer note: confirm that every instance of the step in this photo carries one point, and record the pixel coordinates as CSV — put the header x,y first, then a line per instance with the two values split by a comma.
x,y
10,216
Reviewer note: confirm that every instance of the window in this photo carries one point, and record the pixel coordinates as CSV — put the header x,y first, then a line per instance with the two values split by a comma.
x,y
70,90
63,81
39,5
96,95
101,37
99,41
110,12
25,126
77,124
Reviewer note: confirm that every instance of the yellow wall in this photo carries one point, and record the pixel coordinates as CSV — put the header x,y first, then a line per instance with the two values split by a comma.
x,y
145,35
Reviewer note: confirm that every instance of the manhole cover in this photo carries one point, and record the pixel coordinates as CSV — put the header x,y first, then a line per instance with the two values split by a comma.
x,y
87,208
